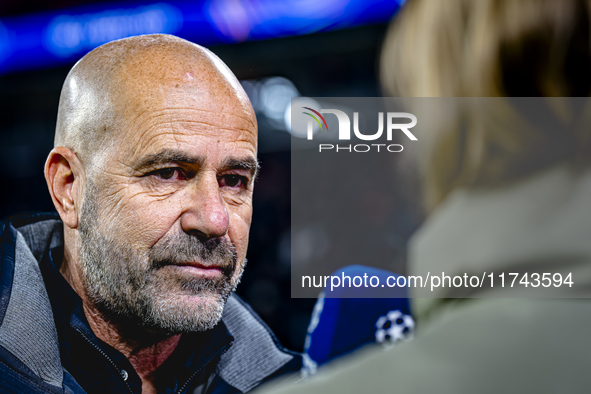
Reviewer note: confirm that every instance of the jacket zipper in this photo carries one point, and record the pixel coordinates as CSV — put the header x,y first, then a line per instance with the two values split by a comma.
x,y
205,364
106,356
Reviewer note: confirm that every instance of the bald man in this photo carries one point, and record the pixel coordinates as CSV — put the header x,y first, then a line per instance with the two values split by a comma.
x,y
130,289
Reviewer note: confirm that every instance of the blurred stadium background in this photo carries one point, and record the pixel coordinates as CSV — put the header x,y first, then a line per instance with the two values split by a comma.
x,y
278,49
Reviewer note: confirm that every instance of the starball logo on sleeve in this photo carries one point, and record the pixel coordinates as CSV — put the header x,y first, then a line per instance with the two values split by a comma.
x,y
395,122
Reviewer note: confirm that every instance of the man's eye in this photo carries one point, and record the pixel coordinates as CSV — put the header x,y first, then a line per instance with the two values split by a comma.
x,y
233,180
170,173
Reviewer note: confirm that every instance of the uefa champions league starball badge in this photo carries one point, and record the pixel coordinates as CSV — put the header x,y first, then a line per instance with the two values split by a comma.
x,y
394,327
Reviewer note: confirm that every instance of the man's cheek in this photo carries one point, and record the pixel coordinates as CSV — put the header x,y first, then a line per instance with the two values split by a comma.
x,y
145,222
114,202
239,229
242,213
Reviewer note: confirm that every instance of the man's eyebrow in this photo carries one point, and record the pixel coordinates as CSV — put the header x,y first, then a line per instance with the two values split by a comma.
x,y
167,156
174,156
248,163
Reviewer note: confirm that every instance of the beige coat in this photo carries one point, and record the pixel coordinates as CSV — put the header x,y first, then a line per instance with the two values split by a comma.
x,y
490,345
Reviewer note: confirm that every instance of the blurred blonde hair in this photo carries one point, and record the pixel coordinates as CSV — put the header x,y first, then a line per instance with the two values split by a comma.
x,y
493,48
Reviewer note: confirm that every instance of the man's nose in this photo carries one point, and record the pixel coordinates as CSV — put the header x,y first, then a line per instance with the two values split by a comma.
x,y
206,215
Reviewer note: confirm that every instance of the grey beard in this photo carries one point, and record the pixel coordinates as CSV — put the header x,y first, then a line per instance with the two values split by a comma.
x,y
133,290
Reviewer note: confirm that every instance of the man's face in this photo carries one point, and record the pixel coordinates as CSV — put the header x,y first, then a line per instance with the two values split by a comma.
x,y
167,209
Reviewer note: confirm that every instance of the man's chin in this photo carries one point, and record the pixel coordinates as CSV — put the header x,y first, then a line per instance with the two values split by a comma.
x,y
200,302
187,311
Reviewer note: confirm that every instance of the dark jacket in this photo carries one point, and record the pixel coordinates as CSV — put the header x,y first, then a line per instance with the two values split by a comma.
x,y
29,347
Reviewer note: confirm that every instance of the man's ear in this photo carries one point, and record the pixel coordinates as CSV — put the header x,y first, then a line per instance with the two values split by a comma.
x,y
64,175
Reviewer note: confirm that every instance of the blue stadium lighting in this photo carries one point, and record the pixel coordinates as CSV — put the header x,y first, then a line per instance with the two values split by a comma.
x,y
49,39
67,35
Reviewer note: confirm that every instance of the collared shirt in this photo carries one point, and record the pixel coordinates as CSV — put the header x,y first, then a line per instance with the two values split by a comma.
x,y
100,368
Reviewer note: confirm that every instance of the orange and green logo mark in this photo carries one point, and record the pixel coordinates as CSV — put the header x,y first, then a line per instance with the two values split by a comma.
x,y
315,118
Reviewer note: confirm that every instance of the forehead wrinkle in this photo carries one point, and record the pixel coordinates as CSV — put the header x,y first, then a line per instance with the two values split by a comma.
x,y
149,126
187,125
146,117
150,144
166,123
176,131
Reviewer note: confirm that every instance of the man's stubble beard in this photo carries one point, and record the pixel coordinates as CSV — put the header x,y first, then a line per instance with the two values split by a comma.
x,y
143,290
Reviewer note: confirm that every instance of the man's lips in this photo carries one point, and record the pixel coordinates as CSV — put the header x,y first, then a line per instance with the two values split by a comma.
x,y
208,271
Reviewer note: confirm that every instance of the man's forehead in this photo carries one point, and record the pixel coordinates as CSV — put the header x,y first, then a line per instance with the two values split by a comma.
x,y
176,89
167,75
209,134
164,97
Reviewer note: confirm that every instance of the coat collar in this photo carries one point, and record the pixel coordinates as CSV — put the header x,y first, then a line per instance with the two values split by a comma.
x,y
539,224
